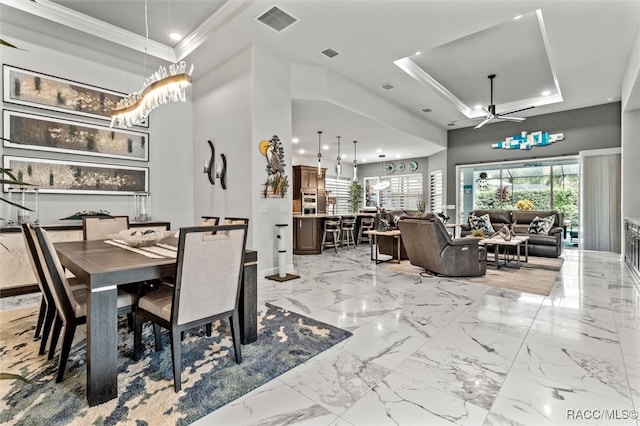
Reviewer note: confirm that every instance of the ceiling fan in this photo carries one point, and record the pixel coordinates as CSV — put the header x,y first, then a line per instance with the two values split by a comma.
x,y
490,112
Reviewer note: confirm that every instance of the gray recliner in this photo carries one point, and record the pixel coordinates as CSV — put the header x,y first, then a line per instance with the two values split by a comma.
x,y
430,246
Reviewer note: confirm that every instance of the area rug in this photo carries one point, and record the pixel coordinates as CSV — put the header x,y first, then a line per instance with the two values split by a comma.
x,y
210,376
536,276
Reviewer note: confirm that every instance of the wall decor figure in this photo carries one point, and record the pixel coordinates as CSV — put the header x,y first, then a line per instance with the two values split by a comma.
x,y
42,133
277,181
75,177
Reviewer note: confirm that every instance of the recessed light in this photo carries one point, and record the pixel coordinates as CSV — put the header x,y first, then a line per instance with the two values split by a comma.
x,y
301,151
397,155
295,140
517,17
364,160
613,99
325,147
343,156
175,36
378,151
478,107
546,93
418,53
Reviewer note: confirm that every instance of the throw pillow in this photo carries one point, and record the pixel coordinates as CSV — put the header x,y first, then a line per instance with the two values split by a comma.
x,y
481,222
541,225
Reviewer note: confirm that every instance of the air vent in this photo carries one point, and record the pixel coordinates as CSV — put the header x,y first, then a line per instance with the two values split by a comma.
x,y
388,86
330,53
426,110
276,19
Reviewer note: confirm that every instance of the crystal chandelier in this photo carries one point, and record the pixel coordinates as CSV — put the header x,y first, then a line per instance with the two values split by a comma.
x,y
339,164
159,88
319,153
355,163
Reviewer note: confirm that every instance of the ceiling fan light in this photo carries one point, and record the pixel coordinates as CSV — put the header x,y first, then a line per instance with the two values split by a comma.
x,y
546,93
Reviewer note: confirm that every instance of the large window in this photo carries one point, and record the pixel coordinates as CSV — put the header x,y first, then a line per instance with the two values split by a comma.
x,y
403,192
339,189
550,184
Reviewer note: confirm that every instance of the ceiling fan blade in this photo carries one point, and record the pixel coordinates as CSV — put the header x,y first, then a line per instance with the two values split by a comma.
x,y
511,118
513,111
486,120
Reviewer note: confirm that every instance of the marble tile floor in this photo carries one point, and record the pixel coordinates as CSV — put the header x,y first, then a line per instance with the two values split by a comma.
x,y
437,351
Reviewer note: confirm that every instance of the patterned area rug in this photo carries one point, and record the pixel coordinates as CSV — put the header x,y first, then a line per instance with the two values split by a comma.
x,y
536,276
210,376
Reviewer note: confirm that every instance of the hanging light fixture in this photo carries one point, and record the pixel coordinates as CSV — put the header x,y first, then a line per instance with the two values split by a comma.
x,y
159,88
339,165
355,162
382,184
319,153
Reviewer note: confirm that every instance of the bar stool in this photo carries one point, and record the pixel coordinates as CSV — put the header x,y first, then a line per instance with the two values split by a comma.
x,y
366,224
347,228
331,226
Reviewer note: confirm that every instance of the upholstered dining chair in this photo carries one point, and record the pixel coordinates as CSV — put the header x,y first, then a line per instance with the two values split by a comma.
x,y
209,221
71,306
47,305
235,221
208,279
97,228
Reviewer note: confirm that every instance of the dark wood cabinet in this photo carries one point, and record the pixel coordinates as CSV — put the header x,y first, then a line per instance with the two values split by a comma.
x,y
306,235
305,179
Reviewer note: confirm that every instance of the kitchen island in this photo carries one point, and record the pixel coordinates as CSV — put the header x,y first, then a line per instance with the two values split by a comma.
x,y
308,229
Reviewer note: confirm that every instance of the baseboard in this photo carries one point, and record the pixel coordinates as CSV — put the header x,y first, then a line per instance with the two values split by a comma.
x,y
18,290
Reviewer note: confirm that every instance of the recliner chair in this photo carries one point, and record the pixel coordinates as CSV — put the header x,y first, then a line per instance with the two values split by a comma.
x,y
430,246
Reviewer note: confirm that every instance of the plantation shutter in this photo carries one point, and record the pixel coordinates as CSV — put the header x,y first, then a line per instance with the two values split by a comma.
x,y
435,192
403,193
339,188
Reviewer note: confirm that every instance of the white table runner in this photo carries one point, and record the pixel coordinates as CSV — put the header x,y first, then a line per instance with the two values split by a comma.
x,y
152,252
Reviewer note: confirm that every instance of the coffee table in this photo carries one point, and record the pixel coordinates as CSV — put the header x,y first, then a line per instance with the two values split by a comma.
x,y
498,243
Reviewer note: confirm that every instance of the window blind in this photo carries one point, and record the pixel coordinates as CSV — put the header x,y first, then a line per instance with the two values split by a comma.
x,y
435,192
339,188
403,193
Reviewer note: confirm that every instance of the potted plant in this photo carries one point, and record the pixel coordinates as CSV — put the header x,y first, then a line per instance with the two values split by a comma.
x,y
355,197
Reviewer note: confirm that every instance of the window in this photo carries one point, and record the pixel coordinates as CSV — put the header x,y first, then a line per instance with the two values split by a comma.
x,y
435,192
339,189
403,193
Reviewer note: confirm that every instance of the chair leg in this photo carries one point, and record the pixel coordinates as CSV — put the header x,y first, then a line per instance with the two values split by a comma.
x,y
235,333
336,240
57,326
176,356
67,340
137,336
41,315
157,335
130,321
46,329
209,329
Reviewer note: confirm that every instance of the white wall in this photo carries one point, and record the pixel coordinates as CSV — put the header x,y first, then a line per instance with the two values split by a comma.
x,y
170,136
631,133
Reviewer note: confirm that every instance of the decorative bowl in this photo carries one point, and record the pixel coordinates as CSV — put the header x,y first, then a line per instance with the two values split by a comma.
x,y
141,237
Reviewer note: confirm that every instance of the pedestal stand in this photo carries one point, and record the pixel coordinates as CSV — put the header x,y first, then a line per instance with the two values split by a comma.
x,y
282,274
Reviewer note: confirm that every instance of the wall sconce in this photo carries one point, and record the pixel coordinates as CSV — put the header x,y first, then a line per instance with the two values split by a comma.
x,y
212,172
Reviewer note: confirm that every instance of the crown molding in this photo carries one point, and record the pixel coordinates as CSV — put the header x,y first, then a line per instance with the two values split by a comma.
x,y
225,14
54,12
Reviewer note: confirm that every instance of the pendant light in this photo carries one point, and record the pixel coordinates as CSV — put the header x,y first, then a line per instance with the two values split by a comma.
x,y
355,162
339,165
319,153
382,184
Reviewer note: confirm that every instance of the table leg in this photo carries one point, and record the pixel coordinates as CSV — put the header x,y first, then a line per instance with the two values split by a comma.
x,y
496,254
526,250
249,303
398,241
102,345
518,253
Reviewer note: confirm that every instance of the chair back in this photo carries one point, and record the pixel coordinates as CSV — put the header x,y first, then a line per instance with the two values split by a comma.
x,y
425,240
235,221
97,228
37,266
65,302
348,222
209,221
210,261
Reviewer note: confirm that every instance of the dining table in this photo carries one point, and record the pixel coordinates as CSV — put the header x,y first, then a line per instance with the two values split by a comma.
x,y
103,265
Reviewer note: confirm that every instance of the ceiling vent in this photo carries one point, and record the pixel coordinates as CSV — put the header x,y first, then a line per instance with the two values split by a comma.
x,y
425,110
330,53
388,86
276,19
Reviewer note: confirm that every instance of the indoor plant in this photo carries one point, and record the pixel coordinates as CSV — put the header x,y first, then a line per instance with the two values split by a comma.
x,y
355,196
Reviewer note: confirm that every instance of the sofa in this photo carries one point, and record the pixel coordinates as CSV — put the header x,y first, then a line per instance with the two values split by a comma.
x,y
519,221
430,246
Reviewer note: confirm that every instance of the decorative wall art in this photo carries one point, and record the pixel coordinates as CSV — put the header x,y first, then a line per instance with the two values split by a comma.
x,y
277,181
212,172
24,87
70,177
526,140
413,166
37,132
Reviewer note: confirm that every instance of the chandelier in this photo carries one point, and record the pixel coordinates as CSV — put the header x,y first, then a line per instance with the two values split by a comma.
x,y
382,184
161,87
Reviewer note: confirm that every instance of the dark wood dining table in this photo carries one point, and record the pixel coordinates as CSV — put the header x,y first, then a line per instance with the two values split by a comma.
x,y
103,267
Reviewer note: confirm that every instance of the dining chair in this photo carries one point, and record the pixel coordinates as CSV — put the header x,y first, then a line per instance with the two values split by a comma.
x,y
235,221
208,278
209,221
97,228
71,306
